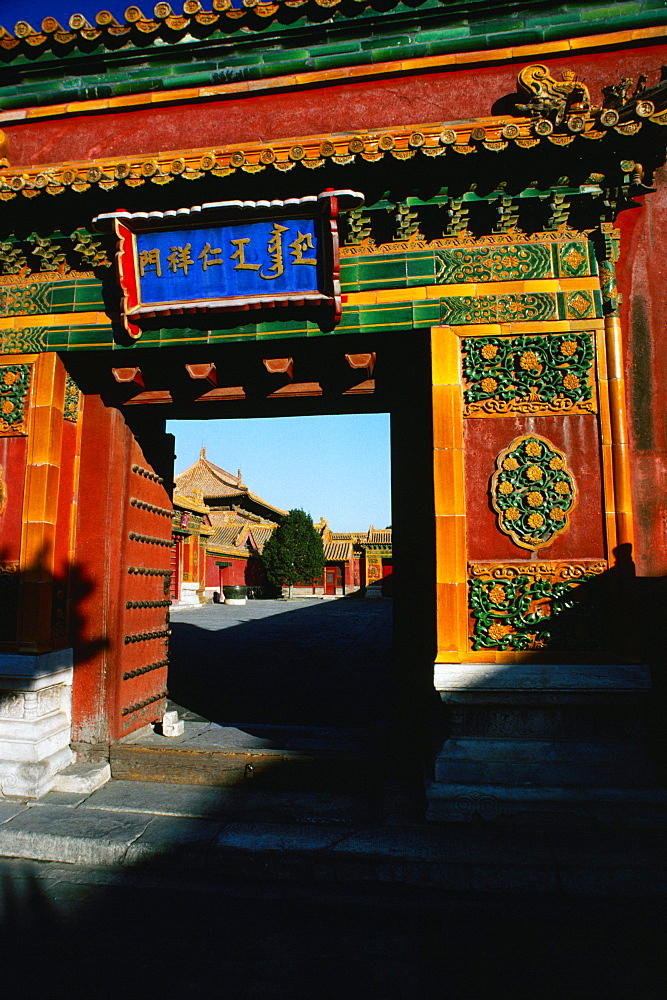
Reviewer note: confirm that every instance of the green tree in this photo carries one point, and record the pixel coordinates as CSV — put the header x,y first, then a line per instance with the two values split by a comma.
x,y
294,552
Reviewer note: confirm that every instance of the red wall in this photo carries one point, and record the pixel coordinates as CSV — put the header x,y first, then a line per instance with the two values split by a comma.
x,y
642,280
13,451
240,572
577,437
410,99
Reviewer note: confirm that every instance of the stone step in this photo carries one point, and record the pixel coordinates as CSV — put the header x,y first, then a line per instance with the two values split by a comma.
x,y
259,757
246,804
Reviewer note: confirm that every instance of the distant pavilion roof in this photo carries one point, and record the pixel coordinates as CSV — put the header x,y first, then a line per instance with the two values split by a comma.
x,y
378,537
219,487
207,477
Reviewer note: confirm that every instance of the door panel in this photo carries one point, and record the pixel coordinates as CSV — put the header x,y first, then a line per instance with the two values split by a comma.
x,y
147,566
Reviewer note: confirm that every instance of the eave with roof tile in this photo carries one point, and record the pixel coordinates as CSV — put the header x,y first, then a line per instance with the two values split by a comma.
x,y
434,139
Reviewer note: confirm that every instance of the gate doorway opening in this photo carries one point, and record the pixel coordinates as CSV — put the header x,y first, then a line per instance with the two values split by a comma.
x,y
295,689
265,656
235,481
130,411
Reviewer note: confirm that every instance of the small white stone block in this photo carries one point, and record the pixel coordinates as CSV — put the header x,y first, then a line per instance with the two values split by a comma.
x,y
171,726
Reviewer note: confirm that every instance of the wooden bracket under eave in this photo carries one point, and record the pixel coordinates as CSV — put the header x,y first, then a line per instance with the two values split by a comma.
x,y
127,375
279,366
206,372
363,361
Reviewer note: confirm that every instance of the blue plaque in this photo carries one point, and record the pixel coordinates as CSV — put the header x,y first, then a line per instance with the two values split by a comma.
x,y
229,256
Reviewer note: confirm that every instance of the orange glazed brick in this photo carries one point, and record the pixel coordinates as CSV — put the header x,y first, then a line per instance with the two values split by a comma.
x,y
601,354
447,416
507,287
401,294
610,522
491,56
617,38
450,545
540,49
45,433
274,81
52,109
572,284
480,656
445,350
451,616
658,32
129,100
377,70
222,89
173,95
36,498
429,62
361,298
449,484
76,107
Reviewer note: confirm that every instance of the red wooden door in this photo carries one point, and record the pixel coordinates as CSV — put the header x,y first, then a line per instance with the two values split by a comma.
x,y
147,566
330,575
123,564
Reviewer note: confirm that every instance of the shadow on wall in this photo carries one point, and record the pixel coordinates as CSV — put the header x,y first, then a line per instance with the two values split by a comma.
x,y
623,615
609,617
29,595
42,619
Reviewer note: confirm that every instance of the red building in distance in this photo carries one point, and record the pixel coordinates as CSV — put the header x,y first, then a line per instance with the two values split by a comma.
x,y
220,528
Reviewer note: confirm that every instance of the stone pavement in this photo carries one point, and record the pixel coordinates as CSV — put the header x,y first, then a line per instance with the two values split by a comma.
x,y
297,662
141,888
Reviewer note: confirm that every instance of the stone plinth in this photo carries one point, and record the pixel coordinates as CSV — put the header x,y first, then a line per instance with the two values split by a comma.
x,y
536,738
35,721
189,594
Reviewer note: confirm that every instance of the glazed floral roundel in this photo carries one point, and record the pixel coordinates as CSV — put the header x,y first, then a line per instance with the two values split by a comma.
x,y
532,492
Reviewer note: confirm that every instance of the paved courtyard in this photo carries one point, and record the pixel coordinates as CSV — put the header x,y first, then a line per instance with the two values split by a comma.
x,y
300,662
146,889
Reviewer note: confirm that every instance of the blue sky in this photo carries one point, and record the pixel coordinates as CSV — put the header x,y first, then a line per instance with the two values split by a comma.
x,y
336,467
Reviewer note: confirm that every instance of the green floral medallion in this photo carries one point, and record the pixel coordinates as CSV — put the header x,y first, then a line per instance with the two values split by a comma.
x,y
532,492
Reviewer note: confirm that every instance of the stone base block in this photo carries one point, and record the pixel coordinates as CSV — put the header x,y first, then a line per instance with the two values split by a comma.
x,y
35,721
82,777
172,725
32,779
529,739
567,762
189,594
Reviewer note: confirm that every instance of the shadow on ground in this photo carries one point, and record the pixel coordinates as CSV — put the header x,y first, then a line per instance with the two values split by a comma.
x,y
138,934
324,663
